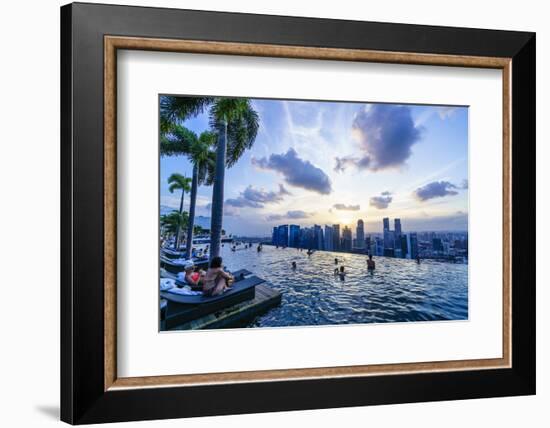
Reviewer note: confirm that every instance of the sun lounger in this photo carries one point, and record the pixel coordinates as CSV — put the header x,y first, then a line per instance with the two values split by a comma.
x,y
180,309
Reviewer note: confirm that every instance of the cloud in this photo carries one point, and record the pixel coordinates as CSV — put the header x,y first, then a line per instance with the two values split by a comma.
x,y
446,112
386,134
296,214
381,202
256,198
344,207
464,184
435,189
296,171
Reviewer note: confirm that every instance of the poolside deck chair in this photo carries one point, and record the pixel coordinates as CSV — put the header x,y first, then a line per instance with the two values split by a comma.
x,y
180,309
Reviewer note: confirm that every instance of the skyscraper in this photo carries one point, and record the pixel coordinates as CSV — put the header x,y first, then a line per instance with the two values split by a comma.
x,y
319,240
336,236
346,239
386,222
413,245
397,223
282,235
360,234
294,236
329,238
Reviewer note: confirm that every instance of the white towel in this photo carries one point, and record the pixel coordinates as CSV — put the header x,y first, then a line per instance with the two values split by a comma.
x,y
167,284
185,291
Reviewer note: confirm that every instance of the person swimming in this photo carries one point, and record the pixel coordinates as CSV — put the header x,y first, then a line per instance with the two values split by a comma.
x,y
418,260
293,265
342,273
370,263
335,261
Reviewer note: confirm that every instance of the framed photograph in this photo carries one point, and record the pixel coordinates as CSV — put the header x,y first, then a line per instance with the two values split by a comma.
x,y
266,213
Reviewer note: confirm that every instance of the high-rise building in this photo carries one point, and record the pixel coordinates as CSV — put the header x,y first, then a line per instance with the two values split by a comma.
x,y
336,237
413,245
403,245
397,227
274,236
319,239
386,222
294,236
437,245
346,239
329,238
282,235
360,234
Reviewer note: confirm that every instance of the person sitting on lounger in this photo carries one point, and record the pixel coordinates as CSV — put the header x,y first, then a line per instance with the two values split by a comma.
x,y
216,280
193,277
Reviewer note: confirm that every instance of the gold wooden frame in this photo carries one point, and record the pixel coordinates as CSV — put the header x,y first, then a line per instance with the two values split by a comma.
x,y
113,43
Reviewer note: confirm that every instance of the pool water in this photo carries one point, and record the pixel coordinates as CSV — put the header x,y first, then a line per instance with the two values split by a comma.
x,y
398,290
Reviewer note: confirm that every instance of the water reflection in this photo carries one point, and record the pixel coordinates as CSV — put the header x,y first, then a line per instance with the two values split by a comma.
x,y
397,290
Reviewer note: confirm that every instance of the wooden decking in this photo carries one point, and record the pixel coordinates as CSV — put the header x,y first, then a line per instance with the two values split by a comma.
x,y
233,316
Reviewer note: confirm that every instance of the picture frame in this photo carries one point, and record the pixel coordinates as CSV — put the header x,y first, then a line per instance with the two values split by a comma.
x,y
91,391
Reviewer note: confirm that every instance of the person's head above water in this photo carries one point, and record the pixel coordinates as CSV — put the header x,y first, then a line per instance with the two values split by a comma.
x,y
341,268
216,262
370,256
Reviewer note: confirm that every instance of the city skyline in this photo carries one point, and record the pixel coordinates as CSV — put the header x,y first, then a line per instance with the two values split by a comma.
x,y
327,163
396,242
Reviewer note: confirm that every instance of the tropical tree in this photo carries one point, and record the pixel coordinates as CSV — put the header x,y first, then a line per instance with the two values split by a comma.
x,y
179,182
173,222
237,124
179,140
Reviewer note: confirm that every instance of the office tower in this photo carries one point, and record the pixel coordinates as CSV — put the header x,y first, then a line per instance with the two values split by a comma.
x,y
294,236
386,222
437,245
397,227
274,236
379,245
329,238
404,245
319,240
413,245
360,234
336,236
282,233
346,239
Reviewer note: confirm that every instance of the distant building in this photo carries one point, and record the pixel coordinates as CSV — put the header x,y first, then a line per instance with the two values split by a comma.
x,y
437,245
282,235
346,239
294,236
319,239
360,234
336,237
404,246
274,236
397,227
412,245
386,223
329,238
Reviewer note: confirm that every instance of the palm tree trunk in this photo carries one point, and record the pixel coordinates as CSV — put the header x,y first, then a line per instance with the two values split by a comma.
x,y
178,226
192,205
217,194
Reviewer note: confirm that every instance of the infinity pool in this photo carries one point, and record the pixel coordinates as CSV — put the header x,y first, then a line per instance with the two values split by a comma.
x,y
398,290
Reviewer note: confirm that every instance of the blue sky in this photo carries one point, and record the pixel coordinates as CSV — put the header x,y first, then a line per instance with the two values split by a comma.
x,y
335,162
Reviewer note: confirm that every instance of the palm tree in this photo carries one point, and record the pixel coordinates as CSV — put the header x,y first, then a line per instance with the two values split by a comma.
x,y
174,221
179,140
237,124
179,182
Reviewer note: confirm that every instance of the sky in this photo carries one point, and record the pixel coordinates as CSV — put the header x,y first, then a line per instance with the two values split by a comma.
x,y
316,162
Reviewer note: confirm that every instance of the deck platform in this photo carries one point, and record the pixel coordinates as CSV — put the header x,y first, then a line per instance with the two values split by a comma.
x,y
233,316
